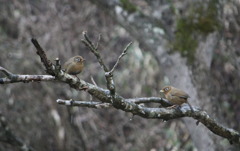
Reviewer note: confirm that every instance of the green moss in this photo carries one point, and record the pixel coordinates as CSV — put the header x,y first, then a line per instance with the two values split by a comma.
x,y
200,21
131,8
184,40
207,20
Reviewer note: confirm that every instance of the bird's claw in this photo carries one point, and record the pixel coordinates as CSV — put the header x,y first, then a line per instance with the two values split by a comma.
x,y
84,88
173,106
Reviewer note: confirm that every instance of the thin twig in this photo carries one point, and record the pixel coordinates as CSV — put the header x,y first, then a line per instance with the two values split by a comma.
x,y
99,38
124,52
93,81
94,50
6,72
88,40
109,77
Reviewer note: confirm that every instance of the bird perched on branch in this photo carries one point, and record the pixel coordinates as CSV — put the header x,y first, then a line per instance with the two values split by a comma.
x,y
74,65
176,96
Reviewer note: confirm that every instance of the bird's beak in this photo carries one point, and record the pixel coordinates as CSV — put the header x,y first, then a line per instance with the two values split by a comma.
x,y
161,91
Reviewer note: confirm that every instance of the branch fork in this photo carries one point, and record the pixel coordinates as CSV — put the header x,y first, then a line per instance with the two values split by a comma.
x,y
108,73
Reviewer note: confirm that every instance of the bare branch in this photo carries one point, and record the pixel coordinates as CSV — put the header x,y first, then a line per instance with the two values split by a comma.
x,y
47,63
109,77
99,38
89,104
27,78
6,72
108,74
122,54
93,81
13,78
162,101
94,50
184,111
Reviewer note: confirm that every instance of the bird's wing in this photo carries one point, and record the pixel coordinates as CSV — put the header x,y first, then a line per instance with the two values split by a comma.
x,y
65,66
180,94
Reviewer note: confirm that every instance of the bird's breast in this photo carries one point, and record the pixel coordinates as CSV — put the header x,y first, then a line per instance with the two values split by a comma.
x,y
75,69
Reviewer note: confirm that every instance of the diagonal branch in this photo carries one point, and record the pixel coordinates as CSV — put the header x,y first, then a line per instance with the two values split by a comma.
x,y
99,38
122,54
47,63
108,73
6,72
94,50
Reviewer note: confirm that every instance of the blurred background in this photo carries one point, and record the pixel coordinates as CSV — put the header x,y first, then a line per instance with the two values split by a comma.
x,y
193,45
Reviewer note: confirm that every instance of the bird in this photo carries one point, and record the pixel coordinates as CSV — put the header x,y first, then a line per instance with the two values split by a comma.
x,y
74,65
176,96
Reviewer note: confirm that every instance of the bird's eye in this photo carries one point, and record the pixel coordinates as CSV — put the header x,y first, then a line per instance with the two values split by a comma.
x,y
77,59
166,89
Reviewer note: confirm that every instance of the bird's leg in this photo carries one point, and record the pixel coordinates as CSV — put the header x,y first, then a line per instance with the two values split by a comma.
x,y
190,106
176,107
77,77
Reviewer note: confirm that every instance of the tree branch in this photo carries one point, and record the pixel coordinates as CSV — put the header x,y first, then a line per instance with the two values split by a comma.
x,y
94,50
108,73
169,114
47,63
162,101
89,104
7,73
131,105
99,38
122,54
13,78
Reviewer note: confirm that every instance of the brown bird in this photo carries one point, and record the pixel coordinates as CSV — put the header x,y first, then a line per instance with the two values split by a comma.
x,y
176,96
74,65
